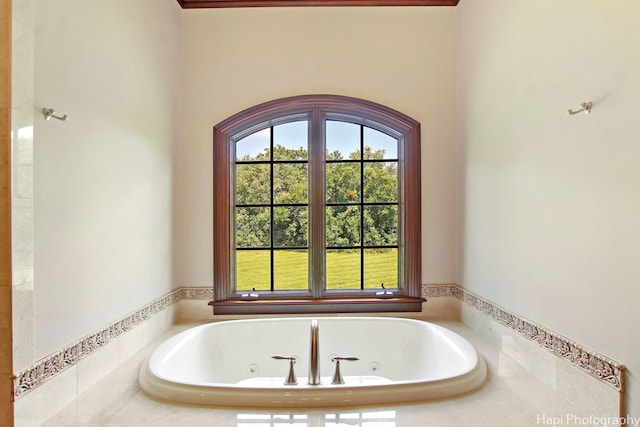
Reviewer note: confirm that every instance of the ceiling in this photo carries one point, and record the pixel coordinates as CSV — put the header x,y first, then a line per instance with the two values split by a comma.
x,y
206,4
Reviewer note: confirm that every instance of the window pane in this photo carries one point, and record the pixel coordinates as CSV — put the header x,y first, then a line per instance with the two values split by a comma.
x,y
291,270
343,226
290,141
380,266
343,140
252,227
253,270
381,182
343,269
381,225
290,226
290,183
254,146
378,145
252,184
343,182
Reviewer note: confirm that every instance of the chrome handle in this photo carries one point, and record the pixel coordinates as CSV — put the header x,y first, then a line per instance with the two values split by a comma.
x,y
349,358
291,377
337,376
278,357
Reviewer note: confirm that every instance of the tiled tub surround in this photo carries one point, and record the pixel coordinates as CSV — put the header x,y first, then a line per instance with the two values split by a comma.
x,y
592,381
59,379
71,355
511,397
586,378
597,365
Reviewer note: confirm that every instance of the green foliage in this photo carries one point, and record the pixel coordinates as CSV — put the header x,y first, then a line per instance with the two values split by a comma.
x,y
290,226
347,222
252,184
343,225
252,227
380,223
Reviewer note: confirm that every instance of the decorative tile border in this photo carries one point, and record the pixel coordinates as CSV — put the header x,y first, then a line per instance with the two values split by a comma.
x,y
196,293
50,366
430,291
593,363
597,365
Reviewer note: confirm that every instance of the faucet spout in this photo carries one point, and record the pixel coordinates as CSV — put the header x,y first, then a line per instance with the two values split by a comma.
x,y
314,369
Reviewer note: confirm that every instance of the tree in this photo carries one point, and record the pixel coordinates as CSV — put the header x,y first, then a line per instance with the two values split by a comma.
x,y
379,224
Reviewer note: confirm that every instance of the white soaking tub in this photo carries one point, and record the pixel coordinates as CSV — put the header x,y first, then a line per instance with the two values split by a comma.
x,y
230,363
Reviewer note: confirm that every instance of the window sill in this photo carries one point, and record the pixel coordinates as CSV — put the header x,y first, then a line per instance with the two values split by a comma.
x,y
325,305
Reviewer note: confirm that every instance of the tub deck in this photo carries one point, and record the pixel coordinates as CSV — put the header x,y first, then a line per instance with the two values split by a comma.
x,y
229,363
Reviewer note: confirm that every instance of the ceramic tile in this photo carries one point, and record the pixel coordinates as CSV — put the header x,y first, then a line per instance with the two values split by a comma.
x,y
132,341
573,384
597,365
22,144
441,308
95,406
531,357
189,310
23,181
47,400
48,368
98,404
519,390
6,359
160,322
96,366
540,362
512,397
23,351
23,278
22,225
23,37
600,399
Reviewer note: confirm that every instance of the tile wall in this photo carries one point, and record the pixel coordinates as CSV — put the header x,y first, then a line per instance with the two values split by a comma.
x,y
22,121
60,379
585,378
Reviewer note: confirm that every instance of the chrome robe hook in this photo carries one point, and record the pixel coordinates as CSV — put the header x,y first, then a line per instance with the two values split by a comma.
x,y
585,106
50,112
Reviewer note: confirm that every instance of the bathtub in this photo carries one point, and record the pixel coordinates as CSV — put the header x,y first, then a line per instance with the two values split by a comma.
x,y
230,363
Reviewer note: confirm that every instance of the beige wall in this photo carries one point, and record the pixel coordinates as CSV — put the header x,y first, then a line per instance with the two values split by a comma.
x,y
235,58
548,203
552,201
6,359
103,179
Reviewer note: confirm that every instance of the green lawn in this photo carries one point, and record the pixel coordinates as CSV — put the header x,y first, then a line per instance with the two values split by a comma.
x,y
291,269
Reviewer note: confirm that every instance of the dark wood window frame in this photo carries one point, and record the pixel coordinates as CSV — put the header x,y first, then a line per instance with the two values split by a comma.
x,y
318,108
204,4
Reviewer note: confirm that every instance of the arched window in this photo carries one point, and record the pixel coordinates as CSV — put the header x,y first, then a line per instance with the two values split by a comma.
x,y
317,208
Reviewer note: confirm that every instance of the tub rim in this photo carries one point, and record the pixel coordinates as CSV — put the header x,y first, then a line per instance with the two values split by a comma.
x,y
322,396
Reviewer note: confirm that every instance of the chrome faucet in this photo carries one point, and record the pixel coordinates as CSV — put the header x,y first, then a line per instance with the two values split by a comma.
x,y
314,369
291,377
337,376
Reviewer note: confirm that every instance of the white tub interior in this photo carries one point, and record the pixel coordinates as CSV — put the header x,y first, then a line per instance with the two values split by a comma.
x,y
229,363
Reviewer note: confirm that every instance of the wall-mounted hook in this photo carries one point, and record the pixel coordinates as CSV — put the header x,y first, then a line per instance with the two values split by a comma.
x,y
50,112
585,106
